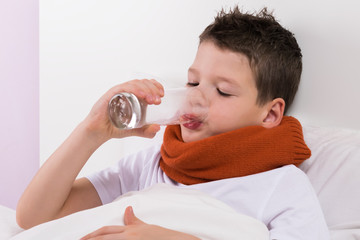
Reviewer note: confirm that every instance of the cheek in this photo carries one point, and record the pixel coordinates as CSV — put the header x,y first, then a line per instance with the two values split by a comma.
x,y
217,113
222,119
233,116
250,116
226,110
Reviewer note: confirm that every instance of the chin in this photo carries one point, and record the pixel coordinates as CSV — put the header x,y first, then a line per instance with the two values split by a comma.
x,y
190,136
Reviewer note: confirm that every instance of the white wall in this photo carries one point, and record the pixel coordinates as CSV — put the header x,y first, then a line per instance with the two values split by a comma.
x,y
87,46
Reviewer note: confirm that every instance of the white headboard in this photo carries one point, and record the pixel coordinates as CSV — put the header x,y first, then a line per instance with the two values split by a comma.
x,y
88,46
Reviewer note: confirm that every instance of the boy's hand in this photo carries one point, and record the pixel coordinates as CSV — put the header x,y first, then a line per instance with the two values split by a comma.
x,y
135,229
98,122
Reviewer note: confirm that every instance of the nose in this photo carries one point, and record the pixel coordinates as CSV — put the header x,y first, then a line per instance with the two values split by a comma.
x,y
197,97
197,101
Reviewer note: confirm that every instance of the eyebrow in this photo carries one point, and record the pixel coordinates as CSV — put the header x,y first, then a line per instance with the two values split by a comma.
x,y
229,80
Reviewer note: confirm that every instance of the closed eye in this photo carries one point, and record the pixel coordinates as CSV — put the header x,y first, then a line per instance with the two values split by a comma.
x,y
192,84
222,93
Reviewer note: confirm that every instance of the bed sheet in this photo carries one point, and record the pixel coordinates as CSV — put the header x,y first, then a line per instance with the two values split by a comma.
x,y
8,226
185,210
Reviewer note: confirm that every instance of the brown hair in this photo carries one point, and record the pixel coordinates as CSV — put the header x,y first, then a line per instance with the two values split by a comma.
x,y
274,55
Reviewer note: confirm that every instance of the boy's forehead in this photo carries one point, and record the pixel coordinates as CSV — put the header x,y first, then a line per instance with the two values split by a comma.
x,y
210,48
212,57
222,65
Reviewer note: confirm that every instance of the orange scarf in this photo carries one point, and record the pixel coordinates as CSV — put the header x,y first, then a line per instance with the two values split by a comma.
x,y
237,153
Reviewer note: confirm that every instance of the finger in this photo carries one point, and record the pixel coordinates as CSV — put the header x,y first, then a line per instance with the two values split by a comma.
x,y
130,218
154,91
103,231
150,91
116,236
159,87
147,131
151,130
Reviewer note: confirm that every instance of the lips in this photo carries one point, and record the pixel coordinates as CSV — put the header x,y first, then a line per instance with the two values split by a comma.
x,y
191,121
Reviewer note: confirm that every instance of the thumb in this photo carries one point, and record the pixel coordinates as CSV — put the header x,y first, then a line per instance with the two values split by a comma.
x,y
130,218
147,131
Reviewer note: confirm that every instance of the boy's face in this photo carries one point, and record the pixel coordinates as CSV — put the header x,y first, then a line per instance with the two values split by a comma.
x,y
227,86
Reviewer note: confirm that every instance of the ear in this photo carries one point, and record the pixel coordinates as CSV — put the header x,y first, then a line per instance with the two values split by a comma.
x,y
274,113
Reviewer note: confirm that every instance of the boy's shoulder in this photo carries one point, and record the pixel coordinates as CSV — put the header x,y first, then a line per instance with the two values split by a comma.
x,y
284,172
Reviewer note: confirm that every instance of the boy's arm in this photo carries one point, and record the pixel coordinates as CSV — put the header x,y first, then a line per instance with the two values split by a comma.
x,y
53,192
293,210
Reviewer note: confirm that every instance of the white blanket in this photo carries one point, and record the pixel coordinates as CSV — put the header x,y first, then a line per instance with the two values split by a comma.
x,y
8,226
185,210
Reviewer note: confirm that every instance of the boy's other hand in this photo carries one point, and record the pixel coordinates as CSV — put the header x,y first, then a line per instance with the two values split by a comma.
x,y
98,124
135,229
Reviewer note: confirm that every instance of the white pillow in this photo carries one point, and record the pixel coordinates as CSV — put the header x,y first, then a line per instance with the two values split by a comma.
x,y
334,169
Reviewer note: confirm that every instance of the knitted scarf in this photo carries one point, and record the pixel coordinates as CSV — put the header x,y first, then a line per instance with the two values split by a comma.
x,y
237,153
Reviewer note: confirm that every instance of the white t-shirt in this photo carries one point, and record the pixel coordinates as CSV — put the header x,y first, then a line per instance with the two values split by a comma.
x,y
283,199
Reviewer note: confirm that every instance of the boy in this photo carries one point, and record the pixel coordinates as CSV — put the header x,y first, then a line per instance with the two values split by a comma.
x,y
246,68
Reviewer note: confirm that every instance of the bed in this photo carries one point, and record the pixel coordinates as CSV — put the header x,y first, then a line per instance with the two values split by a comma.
x,y
332,169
